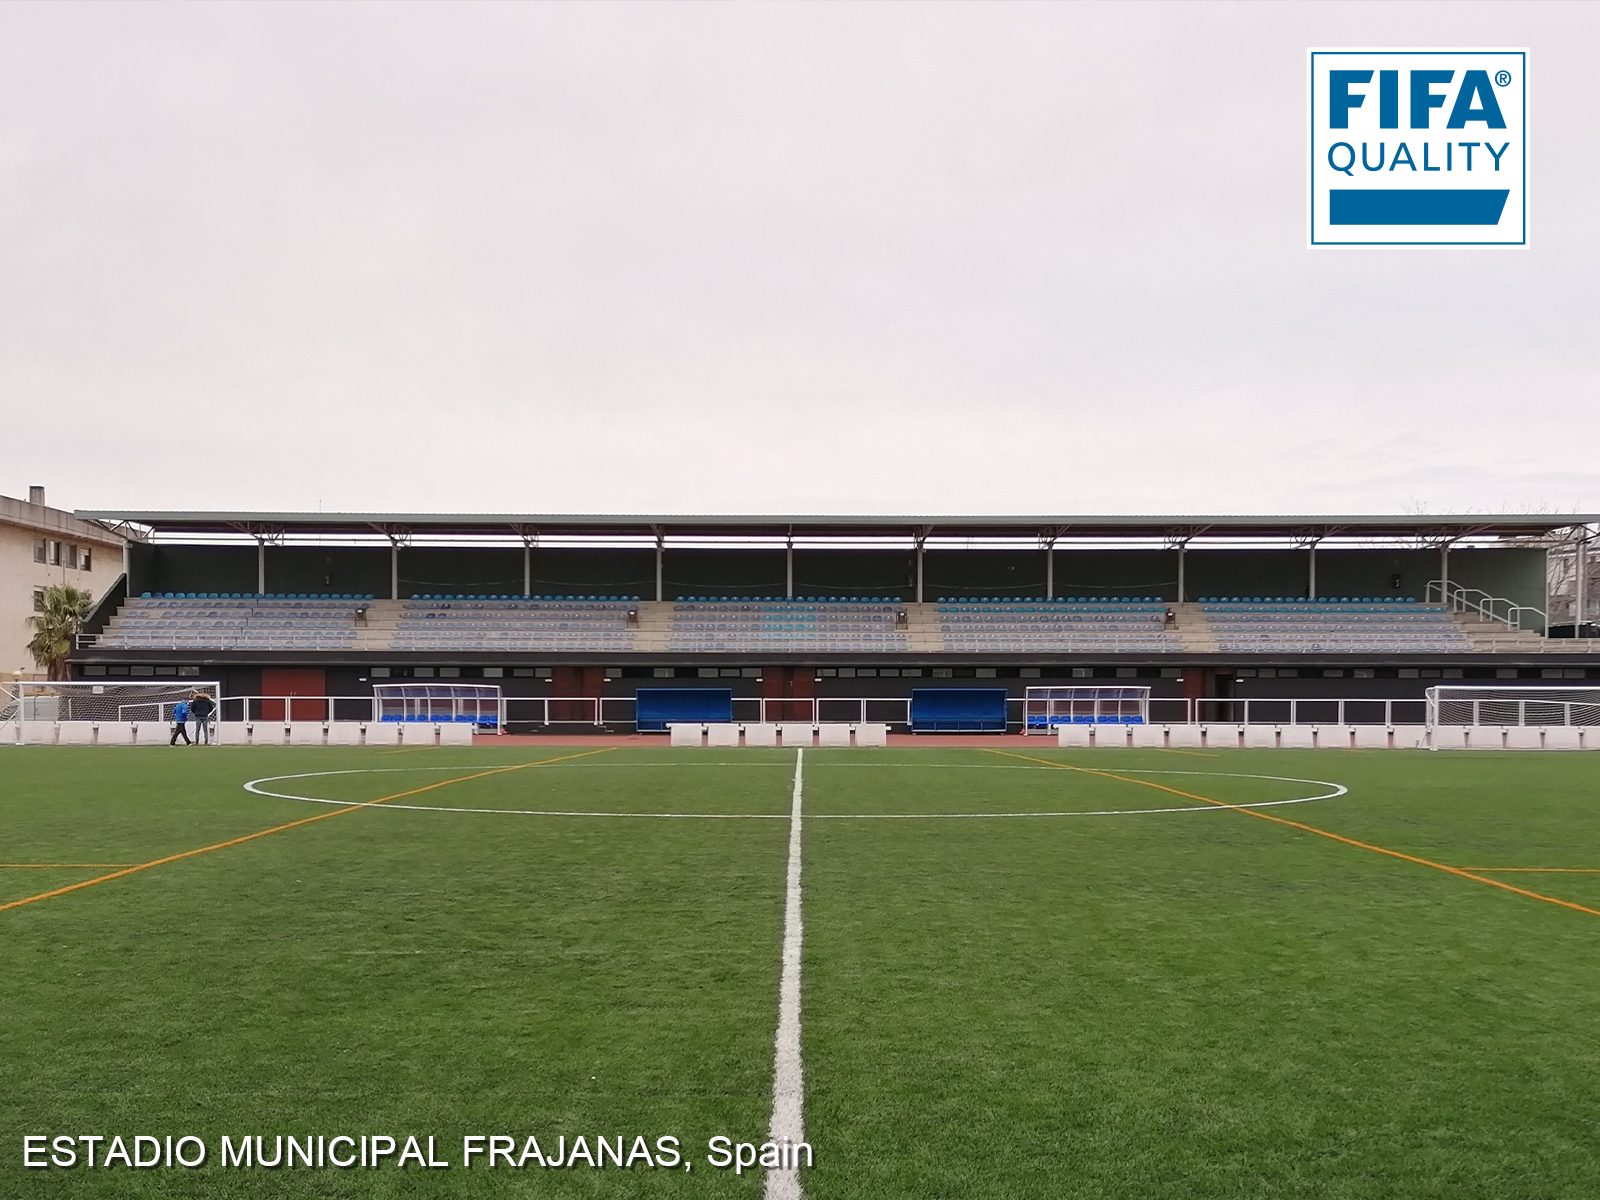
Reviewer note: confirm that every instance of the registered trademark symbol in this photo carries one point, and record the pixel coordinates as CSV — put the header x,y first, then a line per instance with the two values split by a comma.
x,y
1502,77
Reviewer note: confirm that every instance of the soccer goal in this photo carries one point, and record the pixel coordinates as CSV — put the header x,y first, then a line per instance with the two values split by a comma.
x,y
80,713
479,704
1045,708
1460,705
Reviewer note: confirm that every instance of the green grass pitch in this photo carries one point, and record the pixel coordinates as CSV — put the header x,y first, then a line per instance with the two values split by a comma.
x,y
1199,1004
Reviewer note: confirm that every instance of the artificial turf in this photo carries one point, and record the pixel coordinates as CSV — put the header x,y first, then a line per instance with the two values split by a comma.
x,y
1200,1003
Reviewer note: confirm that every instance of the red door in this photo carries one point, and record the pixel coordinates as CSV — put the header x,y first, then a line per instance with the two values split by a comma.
x,y
569,682
294,683
788,691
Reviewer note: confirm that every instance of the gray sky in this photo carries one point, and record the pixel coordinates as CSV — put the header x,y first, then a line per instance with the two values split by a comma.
x,y
683,257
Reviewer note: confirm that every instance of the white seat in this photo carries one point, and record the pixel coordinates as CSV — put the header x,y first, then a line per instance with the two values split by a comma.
x,y
151,733
683,733
1524,737
1564,737
760,735
1181,737
1336,737
1301,737
383,733
1399,737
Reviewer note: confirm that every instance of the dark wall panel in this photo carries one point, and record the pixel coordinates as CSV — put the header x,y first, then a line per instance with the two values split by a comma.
x,y
429,570
723,573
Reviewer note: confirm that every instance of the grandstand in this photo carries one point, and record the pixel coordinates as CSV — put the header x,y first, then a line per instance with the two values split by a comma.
x,y
572,615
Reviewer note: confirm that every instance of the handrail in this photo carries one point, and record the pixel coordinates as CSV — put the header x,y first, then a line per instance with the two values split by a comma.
x,y
1458,597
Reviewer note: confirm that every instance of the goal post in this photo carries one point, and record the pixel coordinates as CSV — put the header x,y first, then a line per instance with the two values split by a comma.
x,y
477,704
1046,708
1462,705
82,712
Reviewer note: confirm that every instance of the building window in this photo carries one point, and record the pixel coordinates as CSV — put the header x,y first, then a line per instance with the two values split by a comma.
x,y
83,561
71,556
55,554
41,551
38,599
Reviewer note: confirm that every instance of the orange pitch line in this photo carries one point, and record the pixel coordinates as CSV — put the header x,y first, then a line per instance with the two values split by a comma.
x,y
285,827
1303,827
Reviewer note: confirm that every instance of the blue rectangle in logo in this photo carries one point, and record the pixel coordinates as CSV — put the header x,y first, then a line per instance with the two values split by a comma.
x,y
1416,206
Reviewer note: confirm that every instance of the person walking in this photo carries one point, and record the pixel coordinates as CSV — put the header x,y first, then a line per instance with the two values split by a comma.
x,y
180,723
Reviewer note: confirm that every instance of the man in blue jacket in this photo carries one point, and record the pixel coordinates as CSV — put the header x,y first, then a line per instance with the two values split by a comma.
x,y
180,723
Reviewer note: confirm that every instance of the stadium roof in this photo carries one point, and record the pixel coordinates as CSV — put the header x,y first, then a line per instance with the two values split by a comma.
x,y
823,526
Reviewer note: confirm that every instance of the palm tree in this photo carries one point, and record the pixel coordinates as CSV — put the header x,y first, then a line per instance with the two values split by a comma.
x,y
65,610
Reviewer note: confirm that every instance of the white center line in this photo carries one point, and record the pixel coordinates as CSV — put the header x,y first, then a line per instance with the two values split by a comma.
x,y
788,1081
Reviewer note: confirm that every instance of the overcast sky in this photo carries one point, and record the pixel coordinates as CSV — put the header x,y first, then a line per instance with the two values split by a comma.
x,y
764,257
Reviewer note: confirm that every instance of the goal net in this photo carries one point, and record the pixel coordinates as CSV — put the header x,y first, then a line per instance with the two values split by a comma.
x,y
1453,705
1044,708
477,704
37,713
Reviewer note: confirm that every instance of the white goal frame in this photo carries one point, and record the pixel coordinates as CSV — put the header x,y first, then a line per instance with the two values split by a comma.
x,y
1046,708
34,712
440,701
1451,704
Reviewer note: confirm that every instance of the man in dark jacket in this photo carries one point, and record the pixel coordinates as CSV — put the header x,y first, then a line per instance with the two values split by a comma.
x,y
202,708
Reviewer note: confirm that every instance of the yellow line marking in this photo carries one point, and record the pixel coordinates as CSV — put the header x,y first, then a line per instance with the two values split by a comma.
x,y
1536,870
1301,825
287,825
58,866
1195,753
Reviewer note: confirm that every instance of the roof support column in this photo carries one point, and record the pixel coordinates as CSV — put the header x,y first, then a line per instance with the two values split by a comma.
x,y
661,553
261,566
1444,571
1047,539
920,536
1580,599
1183,567
788,566
398,536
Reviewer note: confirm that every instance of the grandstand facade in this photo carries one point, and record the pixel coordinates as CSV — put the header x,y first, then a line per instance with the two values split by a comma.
x,y
1202,610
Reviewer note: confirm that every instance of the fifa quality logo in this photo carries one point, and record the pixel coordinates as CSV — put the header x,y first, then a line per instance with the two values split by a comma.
x,y
1419,148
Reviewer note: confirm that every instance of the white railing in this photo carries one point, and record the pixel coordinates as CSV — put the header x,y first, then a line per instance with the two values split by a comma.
x,y
527,713
1458,598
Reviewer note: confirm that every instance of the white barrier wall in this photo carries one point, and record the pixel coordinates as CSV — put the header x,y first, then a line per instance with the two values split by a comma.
x,y
792,733
866,735
760,735
681,734
1328,737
